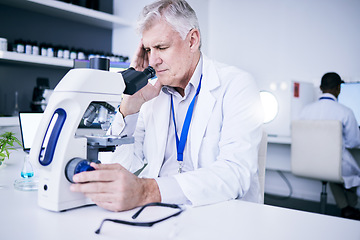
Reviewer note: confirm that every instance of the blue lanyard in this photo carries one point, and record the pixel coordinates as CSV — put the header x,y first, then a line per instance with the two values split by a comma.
x,y
180,143
326,98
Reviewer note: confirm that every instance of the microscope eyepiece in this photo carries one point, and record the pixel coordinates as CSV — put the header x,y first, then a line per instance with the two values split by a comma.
x,y
150,72
135,80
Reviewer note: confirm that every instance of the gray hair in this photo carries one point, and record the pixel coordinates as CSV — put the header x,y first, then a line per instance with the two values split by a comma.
x,y
178,13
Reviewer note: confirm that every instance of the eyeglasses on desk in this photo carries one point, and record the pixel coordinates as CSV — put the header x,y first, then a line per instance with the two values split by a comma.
x,y
144,224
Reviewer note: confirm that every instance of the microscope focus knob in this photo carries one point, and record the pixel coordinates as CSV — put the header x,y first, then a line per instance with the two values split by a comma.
x,y
78,165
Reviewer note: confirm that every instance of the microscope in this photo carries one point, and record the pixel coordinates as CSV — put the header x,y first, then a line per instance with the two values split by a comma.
x,y
57,151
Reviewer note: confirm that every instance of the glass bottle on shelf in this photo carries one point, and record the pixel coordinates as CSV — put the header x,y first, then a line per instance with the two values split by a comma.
x,y
16,107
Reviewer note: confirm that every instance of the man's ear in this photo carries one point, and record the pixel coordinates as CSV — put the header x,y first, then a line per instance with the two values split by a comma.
x,y
194,39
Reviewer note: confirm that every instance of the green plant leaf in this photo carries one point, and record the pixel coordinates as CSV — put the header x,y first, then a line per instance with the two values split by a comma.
x,y
7,141
18,142
7,152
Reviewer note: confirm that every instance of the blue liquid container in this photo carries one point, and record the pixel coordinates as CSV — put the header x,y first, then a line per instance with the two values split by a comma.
x,y
27,169
27,174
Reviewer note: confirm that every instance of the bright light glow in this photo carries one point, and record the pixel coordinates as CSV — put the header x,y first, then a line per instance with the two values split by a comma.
x,y
270,105
283,86
273,86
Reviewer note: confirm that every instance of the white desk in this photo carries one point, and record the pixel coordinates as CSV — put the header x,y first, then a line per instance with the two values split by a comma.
x,y
21,218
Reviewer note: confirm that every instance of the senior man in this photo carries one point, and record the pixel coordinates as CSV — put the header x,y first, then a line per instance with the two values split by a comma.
x,y
197,129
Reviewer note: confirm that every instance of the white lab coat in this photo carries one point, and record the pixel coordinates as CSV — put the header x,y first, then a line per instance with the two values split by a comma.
x,y
332,110
225,133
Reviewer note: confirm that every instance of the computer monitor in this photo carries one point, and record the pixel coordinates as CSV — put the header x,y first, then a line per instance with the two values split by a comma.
x,y
350,97
114,66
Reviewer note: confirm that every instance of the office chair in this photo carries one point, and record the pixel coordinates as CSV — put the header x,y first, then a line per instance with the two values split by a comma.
x,y
316,152
261,164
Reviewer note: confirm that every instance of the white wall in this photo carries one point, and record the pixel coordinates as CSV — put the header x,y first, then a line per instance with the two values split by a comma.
x,y
279,40
283,40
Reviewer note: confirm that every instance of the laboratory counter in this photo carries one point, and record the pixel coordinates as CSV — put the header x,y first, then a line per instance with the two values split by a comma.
x,y
22,218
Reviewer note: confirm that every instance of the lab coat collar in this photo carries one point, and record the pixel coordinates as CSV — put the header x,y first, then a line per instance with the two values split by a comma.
x,y
329,95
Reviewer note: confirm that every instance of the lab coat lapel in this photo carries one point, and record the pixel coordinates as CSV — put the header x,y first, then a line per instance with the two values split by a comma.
x,y
203,109
161,121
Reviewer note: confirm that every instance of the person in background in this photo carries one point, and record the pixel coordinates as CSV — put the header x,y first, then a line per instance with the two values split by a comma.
x,y
328,108
197,129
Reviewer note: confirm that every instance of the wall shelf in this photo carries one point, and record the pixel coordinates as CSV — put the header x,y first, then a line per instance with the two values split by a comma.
x,y
34,59
72,12
9,121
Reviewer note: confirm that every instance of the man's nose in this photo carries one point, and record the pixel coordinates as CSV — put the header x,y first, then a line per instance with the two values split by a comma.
x,y
154,58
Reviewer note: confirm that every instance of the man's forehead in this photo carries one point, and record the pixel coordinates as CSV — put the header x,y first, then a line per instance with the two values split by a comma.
x,y
160,32
153,42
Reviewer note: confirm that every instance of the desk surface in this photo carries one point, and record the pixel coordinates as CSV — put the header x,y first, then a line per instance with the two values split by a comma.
x,y
20,218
